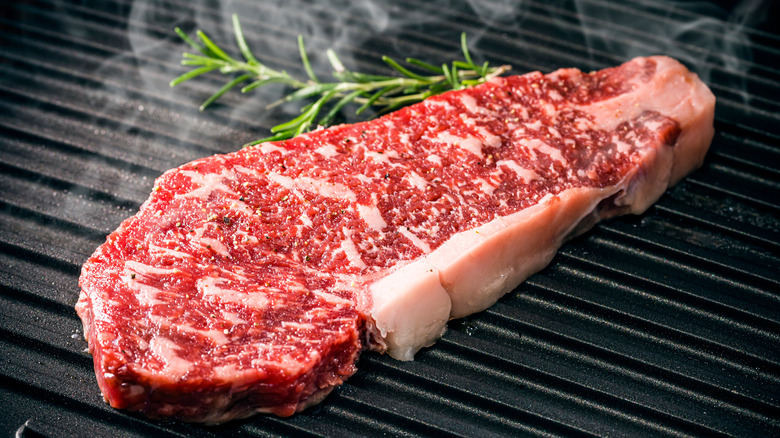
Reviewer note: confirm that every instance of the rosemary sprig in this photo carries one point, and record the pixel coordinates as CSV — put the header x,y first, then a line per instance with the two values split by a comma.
x,y
386,93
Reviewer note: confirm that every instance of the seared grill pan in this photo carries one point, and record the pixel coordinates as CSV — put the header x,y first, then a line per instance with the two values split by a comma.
x,y
662,324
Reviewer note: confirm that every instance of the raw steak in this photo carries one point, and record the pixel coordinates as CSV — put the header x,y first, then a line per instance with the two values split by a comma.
x,y
250,282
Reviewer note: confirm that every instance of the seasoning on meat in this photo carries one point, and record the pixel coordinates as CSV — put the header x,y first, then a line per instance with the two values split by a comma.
x,y
250,282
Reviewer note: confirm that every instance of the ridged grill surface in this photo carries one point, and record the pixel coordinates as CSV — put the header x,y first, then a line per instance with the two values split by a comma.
x,y
662,324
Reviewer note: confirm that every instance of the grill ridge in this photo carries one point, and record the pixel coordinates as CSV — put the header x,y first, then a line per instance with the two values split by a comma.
x,y
663,324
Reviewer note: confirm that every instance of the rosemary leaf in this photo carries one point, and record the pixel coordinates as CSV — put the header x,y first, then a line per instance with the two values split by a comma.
x,y
374,98
194,57
201,60
455,79
425,65
224,89
338,106
305,59
192,43
261,82
242,46
447,73
192,73
335,62
399,102
465,48
396,66
275,137
214,48
292,123
462,65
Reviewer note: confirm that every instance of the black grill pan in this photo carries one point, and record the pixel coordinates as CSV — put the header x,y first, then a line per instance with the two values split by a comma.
x,y
662,324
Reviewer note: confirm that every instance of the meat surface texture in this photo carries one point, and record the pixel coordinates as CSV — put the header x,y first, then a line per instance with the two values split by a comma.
x,y
250,282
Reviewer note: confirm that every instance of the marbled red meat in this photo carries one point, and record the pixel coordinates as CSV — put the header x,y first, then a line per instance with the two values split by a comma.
x,y
250,282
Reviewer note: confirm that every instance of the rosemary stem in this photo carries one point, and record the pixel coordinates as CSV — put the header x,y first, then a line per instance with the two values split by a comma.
x,y
367,90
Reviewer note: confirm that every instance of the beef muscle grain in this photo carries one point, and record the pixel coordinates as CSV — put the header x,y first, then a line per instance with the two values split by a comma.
x,y
250,282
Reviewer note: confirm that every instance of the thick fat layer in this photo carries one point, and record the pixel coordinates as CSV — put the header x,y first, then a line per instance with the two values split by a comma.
x,y
478,266
246,278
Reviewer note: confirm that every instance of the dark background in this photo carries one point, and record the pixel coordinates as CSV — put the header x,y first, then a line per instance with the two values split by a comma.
x,y
662,324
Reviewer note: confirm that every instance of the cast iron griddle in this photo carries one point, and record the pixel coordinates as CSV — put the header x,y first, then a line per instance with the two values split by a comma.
x,y
663,324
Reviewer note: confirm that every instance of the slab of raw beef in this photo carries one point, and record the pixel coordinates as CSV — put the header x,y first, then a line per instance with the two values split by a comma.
x,y
250,282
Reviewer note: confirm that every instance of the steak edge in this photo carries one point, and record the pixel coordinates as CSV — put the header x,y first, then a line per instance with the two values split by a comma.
x,y
250,282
